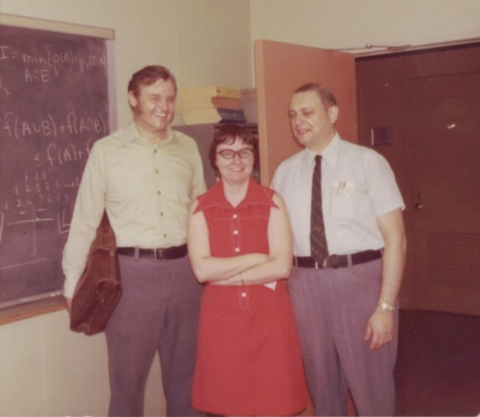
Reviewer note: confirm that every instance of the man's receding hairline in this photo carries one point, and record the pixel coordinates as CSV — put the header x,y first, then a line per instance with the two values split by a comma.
x,y
310,91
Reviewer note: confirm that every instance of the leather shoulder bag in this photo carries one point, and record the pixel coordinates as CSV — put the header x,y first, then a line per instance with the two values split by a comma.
x,y
99,288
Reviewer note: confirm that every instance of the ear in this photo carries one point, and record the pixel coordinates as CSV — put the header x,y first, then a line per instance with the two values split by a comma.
x,y
332,114
132,100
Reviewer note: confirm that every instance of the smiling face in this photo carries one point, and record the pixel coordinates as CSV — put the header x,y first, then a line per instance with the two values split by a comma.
x,y
312,124
236,170
153,108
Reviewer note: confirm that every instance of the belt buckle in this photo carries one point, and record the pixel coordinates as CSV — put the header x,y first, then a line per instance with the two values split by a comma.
x,y
334,261
338,261
157,254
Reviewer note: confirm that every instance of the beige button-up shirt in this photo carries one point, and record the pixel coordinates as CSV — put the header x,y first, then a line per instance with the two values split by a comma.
x,y
358,187
145,188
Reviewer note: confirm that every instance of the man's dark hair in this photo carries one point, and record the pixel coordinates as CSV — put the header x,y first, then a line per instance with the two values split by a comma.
x,y
149,75
324,94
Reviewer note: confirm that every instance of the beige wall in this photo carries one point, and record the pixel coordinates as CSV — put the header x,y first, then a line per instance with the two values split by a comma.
x,y
214,44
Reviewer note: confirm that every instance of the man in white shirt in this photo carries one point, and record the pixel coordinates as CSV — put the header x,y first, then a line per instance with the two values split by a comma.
x,y
145,176
346,304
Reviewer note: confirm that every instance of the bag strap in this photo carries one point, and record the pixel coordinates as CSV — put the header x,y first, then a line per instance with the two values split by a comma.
x,y
105,236
105,222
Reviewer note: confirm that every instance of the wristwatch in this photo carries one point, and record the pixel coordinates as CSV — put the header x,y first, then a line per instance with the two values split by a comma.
x,y
386,306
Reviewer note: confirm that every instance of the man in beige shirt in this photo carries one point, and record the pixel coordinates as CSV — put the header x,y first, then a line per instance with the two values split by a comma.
x,y
145,176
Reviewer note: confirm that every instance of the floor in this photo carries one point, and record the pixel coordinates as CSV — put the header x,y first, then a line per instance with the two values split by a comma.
x,y
438,365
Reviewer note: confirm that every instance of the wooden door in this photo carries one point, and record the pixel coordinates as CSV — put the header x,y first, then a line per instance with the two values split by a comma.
x,y
444,125
280,68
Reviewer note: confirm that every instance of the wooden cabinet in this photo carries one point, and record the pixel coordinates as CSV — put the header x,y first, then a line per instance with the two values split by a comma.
x,y
203,135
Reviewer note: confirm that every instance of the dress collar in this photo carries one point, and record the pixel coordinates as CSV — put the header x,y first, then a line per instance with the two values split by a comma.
x,y
215,197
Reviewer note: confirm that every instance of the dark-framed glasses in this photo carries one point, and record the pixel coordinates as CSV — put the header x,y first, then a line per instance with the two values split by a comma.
x,y
242,153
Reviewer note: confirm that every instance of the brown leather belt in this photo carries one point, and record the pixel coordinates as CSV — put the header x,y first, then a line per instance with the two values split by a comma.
x,y
338,261
161,254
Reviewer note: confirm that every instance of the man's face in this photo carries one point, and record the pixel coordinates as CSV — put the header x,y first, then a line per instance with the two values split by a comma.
x,y
154,107
312,125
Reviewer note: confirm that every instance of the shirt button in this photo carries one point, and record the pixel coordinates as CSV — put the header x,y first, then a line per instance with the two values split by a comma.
x,y
237,249
235,216
159,192
235,232
165,235
156,171
161,214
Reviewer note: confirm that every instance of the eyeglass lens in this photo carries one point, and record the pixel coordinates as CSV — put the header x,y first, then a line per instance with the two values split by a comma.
x,y
242,153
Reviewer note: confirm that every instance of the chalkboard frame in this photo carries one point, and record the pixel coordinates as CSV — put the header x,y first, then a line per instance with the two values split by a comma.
x,y
37,304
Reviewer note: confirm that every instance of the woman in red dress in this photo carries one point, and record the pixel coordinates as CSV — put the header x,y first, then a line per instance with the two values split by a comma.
x,y
240,243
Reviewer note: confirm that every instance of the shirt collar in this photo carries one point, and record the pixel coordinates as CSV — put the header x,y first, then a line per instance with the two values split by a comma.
x,y
215,197
329,154
131,134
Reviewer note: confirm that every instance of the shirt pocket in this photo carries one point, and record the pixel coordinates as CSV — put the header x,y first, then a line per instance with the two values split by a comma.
x,y
343,199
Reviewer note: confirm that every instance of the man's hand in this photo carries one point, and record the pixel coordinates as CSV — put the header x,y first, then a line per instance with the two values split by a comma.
x,y
380,328
68,303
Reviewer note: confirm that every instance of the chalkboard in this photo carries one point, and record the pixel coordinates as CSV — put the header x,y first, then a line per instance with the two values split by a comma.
x,y
54,103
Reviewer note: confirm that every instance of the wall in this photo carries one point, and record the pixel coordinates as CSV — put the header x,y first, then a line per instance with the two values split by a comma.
x,y
347,24
214,44
46,370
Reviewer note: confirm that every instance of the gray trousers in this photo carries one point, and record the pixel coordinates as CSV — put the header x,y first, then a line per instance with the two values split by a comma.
x,y
158,311
332,307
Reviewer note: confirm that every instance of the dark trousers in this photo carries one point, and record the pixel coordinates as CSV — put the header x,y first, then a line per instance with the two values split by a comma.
x,y
158,311
332,307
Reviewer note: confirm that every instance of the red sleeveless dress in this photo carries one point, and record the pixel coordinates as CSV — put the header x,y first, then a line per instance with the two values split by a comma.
x,y
248,356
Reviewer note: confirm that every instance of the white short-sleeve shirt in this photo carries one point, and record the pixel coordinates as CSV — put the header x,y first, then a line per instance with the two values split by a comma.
x,y
358,186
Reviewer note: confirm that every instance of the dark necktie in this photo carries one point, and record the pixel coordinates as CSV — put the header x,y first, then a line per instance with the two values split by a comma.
x,y
318,242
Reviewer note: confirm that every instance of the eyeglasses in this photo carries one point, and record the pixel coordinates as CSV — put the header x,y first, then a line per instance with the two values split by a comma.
x,y
242,153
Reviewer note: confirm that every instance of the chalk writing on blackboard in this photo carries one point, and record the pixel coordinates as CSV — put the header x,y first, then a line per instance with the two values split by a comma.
x,y
53,107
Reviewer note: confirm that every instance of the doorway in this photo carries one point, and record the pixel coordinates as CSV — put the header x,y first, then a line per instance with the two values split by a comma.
x,y
429,103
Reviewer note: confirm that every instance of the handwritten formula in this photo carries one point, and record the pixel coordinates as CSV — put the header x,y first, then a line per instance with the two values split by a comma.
x,y
53,107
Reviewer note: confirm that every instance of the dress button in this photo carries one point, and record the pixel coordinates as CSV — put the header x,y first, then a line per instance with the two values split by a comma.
x,y
235,232
237,249
235,216
244,294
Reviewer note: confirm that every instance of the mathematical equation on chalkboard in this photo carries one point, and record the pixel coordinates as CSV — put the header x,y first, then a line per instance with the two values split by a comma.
x,y
53,107
47,65
42,188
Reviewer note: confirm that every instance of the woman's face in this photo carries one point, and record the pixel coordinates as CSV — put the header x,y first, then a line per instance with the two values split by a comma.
x,y
235,161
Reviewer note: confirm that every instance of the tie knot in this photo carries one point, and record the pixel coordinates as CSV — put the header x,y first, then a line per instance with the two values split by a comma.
x,y
318,159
